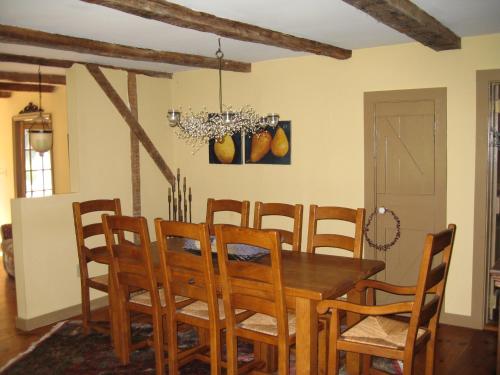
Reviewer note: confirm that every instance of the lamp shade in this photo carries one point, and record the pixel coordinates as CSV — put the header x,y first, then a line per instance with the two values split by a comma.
x,y
41,139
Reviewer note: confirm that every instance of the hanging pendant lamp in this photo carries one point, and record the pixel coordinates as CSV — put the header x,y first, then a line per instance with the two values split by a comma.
x,y
40,134
201,127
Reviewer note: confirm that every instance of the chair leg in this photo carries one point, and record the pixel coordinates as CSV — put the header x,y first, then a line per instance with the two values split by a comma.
x,y
366,363
430,355
173,352
232,354
215,356
85,307
283,359
333,359
323,351
408,363
158,343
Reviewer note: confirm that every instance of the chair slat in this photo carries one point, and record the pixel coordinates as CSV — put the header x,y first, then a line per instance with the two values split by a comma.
x,y
429,310
294,212
352,243
231,205
250,271
335,241
436,275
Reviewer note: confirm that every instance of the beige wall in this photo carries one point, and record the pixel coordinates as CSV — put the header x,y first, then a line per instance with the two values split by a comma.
x,y
322,97
54,103
324,100
45,250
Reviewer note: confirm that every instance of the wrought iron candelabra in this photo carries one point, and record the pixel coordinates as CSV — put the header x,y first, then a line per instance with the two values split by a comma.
x,y
179,205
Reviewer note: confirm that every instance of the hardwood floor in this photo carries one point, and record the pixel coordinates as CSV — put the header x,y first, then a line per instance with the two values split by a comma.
x,y
461,351
12,340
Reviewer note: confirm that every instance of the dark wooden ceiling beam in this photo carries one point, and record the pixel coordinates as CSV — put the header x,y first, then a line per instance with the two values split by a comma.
x,y
18,35
54,79
407,18
8,86
5,94
181,16
6,57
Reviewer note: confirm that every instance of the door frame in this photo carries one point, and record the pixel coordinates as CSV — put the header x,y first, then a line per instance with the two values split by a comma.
x,y
439,95
480,242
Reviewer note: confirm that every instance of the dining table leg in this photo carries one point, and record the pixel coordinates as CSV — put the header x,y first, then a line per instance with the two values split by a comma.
x,y
306,336
353,360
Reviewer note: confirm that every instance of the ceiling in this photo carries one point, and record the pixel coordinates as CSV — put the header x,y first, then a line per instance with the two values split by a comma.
x,y
329,21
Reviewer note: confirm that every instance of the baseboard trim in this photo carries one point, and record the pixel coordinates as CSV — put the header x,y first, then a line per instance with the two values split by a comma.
x,y
460,320
58,315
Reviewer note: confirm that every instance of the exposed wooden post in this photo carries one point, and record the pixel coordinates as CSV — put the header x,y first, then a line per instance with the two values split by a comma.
x,y
134,147
131,121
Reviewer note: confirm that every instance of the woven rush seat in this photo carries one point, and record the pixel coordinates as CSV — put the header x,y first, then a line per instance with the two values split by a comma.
x,y
199,309
144,298
267,324
380,331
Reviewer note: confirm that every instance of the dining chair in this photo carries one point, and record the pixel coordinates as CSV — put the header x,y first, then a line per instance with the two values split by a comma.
x,y
351,243
91,248
381,333
191,276
228,205
258,288
132,269
293,237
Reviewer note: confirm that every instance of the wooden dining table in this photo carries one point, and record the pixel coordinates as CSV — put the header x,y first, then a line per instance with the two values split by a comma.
x,y
308,279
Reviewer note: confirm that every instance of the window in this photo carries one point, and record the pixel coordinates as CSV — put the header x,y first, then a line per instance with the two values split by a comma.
x,y
33,171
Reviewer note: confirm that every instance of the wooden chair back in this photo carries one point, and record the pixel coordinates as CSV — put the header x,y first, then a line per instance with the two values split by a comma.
x,y
221,205
293,238
190,276
131,263
86,230
255,287
431,282
351,243
184,273
91,246
379,333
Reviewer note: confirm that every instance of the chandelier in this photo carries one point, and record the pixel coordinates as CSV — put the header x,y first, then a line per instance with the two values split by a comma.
x,y
40,134
198,128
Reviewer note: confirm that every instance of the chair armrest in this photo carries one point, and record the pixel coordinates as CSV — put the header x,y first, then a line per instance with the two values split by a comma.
x,y
393,308
386,287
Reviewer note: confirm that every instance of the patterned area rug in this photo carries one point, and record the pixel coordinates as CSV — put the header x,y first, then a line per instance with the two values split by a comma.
x,y
65,350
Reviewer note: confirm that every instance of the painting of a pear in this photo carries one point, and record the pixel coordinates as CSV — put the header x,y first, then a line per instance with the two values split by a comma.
x,y
225,151
279,144
270,146
261,144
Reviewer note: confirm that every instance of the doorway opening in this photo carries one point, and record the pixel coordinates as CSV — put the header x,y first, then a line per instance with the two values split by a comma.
x,y
493,193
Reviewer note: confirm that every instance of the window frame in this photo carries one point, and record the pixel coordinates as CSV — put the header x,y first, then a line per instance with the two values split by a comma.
x,y
19,124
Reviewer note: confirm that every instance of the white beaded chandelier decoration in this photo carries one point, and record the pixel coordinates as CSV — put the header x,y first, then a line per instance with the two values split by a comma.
x,y
198,128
